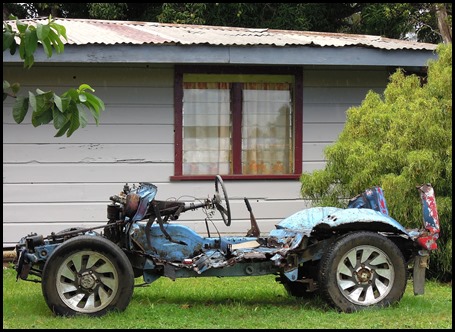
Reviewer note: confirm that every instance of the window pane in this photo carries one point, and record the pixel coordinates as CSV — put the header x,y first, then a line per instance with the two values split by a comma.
x,y
267,129
206,129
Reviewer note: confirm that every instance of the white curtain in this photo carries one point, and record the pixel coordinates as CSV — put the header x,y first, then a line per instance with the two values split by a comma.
x,y
267,128
206,128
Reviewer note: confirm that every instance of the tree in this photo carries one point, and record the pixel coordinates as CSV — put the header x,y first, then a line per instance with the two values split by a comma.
x,y
108,11
426,22
287,16
444,21
65,111
397,141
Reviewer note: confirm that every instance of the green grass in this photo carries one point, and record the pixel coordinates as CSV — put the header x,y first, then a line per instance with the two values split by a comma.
x,y
236,303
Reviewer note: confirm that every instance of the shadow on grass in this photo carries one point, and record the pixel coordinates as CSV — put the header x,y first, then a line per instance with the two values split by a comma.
x,y
280,301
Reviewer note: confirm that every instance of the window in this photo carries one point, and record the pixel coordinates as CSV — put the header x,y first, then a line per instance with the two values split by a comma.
x,y
240,124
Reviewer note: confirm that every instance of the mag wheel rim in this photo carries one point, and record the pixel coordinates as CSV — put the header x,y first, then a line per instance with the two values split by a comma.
x,y
87,282
365,275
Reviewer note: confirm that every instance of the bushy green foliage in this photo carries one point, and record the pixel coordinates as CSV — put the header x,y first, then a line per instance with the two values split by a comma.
x,y
397,141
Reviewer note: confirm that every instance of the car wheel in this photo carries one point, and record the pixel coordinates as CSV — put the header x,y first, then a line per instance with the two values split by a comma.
x,y
362,270
87,275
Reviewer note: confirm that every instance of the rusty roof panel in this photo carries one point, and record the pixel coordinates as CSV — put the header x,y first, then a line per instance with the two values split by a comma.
x,y
103,32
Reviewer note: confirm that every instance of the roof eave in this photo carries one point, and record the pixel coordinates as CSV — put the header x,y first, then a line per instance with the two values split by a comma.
x,y
241,55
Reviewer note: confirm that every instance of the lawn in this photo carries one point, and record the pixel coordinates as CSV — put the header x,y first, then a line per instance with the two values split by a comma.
x,y
226,303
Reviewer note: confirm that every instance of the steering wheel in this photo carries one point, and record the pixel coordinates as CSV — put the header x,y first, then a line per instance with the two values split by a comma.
x,y
221,200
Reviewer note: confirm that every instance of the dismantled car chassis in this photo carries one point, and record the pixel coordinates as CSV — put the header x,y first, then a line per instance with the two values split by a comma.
x,y
356,258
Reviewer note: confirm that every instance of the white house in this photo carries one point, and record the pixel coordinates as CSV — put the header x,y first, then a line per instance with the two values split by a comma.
x,y
184,103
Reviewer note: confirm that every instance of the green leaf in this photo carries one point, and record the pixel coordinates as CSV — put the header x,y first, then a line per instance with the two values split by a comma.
x,y
22,50
32,100
6,84
75,124
84,87
61,30
42,105
65,103
63,129
58,103
82,97
21,26
60,46
31,42
56,42
95,105
43,117
42,31
13,47
47,47
60,119
95,101
29,61
15,87
72,94
82,117
8,39
43,100
20,109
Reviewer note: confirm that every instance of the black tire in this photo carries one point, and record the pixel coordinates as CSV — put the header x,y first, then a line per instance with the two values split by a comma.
x,y
87,275
362,270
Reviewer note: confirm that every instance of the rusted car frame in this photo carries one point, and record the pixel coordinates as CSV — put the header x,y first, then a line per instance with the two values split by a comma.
x,y
356,258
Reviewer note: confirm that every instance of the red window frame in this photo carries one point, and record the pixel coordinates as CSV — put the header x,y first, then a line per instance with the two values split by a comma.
x,y
178,120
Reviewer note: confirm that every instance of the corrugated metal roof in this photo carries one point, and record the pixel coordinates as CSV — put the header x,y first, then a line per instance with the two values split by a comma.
x,y
103,32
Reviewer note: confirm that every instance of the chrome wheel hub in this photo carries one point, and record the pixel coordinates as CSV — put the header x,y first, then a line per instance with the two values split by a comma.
x,y
87,282
365,275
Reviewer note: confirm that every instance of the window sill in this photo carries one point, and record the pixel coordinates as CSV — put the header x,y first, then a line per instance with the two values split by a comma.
x,y
235,177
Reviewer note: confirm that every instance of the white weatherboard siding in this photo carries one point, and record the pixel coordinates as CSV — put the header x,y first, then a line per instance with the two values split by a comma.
x,y
54,183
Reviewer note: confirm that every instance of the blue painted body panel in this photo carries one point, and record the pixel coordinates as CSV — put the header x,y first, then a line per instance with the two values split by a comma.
x,y
305,220
168,250
147,191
